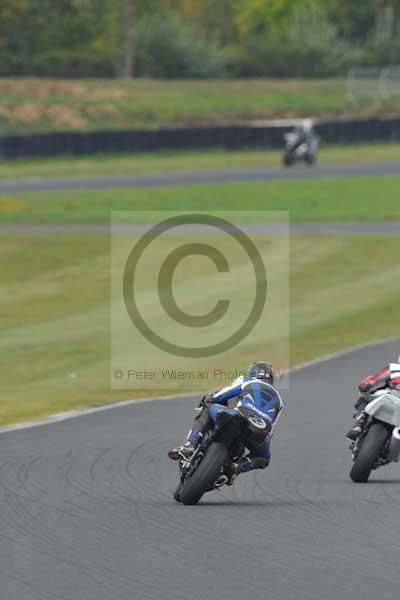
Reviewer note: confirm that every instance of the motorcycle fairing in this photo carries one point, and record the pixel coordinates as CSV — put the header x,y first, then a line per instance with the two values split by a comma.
x,y
385,407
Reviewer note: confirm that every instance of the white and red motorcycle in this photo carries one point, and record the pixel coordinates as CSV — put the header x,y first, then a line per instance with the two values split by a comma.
x,y
379,442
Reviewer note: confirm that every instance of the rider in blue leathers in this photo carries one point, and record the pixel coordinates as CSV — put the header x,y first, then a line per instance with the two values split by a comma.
x,y
254,389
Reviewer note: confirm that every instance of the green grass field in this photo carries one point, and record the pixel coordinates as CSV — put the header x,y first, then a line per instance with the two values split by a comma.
x,y
53,104
181,161
55,321
55,287
341,198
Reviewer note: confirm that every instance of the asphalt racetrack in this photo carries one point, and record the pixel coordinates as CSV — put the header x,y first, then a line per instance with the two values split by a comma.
x,y
86,508
342,169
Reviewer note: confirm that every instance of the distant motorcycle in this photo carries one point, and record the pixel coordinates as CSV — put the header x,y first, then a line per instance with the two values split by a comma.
x,y
206,469
379,442
301,145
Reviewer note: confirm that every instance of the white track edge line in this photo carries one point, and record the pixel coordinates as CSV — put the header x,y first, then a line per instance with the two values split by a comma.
x,y
74,414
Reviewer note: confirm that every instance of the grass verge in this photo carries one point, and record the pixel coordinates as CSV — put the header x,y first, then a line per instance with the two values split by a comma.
x,y
54,312
29,105
342,198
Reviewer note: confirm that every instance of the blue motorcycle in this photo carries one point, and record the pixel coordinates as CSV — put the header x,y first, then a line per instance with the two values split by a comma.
x,y
234,430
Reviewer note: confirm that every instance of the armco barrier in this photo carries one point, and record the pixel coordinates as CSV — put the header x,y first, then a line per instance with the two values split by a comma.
x,y
268,135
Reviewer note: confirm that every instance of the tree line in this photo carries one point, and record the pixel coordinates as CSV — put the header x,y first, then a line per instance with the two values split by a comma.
x,y
196,38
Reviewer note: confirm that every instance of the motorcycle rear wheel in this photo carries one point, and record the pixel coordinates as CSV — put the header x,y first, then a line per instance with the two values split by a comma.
x,y
205,475
369,452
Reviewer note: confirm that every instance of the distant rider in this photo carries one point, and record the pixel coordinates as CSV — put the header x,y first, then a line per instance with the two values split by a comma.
x,y
304,132
254,388
389,377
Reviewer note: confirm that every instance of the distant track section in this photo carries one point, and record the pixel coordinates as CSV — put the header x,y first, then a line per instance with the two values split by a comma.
x,y
342,169
316,227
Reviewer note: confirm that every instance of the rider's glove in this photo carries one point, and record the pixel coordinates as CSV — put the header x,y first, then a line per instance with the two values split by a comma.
x,y
364,387
204,403
206,399
361,402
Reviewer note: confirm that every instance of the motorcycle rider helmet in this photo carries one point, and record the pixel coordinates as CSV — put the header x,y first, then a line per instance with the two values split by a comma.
x,y
263,371
307,126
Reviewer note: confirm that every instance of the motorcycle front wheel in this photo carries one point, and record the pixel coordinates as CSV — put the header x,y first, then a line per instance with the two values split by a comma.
x,y
288,159
177,493
369,452
205,475
310,159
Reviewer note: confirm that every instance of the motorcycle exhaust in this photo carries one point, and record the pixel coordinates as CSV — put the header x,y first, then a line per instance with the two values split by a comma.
x,y
394,445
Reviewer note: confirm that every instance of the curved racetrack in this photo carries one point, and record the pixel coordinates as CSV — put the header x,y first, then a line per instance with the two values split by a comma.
x,y
341,169
86,511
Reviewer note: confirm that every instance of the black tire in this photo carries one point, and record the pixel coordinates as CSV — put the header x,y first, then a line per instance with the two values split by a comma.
x,y
177,493
310,159
206,473
288,159
369,452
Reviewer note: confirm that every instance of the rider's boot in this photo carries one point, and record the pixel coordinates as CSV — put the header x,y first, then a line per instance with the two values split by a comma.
x,y
192,441
184,451
195,435
244,465
358,426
